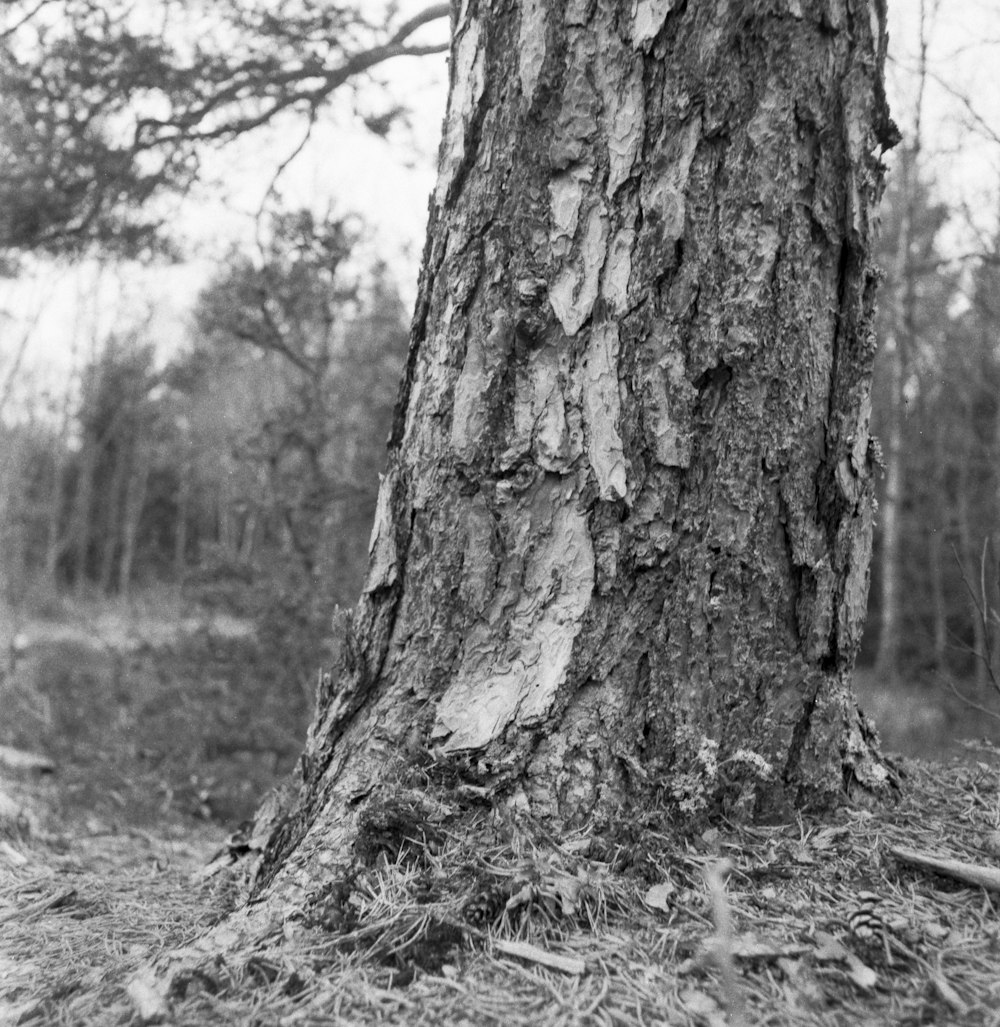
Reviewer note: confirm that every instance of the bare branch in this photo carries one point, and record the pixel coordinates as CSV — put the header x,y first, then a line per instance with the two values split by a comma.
x,y
280,170
425,17
984,126
991,259
11,29
972,704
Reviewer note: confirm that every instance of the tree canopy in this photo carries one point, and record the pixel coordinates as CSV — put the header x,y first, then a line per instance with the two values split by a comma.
x,y
108,105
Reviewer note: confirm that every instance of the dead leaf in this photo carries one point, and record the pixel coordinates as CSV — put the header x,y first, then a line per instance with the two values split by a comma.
x,y
863,976
577,846
521,898
802,855
991,843
658,895
148,995
825,838
829,949
568,890
698,1003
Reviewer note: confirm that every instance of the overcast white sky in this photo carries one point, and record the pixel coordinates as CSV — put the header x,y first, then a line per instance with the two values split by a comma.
x,y
389,182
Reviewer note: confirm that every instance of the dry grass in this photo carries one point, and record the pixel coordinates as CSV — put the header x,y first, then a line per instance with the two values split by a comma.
x,y
458,929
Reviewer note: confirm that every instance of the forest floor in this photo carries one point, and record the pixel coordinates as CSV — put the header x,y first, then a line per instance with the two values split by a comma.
x,y
823,921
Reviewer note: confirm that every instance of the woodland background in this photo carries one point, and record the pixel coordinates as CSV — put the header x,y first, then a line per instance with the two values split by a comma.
x,y
181,528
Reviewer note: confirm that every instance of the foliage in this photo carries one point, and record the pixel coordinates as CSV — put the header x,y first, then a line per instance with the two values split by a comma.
x,y
309,349
192,724
246,469
108,106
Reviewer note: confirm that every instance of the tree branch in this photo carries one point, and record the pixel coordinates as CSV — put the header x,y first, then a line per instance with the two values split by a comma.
x,y
10,30
425,17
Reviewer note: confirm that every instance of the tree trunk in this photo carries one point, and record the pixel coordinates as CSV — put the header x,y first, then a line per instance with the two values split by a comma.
x,y
82,510
620,558
971,561
181,521
112,504
939,605
135,499
939,523
54,542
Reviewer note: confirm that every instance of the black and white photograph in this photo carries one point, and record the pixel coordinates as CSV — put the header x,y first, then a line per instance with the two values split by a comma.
x,y
499,513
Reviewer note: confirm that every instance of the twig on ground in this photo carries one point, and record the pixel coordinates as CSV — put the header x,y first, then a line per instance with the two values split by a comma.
x,y
532,953
969,873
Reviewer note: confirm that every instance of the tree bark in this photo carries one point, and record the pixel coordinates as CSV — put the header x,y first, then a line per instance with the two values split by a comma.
x,y
620,556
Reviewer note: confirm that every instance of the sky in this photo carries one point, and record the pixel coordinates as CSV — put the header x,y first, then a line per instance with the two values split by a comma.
x,y
960,147
66,312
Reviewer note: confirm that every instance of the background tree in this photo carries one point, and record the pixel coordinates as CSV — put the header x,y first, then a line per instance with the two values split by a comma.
x,y
289,393
937,240
245,470
934,409
912,324
111,466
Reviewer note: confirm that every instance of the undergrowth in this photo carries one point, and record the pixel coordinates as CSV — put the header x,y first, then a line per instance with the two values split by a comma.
x,y
189,724
483,920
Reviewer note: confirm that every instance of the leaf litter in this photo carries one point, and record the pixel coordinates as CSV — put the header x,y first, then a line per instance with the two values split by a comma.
x,y
498,924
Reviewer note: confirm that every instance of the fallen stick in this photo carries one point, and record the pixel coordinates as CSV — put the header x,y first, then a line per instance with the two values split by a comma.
x,y
969,873
523,950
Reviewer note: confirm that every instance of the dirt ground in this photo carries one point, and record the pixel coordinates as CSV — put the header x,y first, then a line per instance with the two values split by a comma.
x,y
815,922
105,841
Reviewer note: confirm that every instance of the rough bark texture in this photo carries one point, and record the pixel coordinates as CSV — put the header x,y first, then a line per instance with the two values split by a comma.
x,y
620,558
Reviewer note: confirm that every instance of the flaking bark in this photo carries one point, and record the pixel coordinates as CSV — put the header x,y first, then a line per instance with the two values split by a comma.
x,y
620,560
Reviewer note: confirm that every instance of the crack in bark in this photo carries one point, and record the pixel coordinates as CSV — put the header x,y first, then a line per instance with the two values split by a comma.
x,y
418,331
800,732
